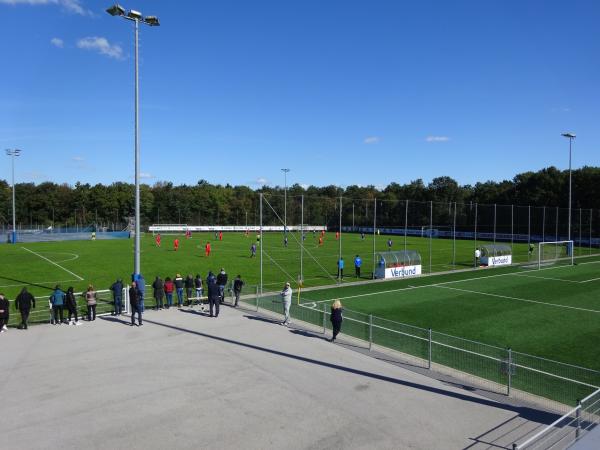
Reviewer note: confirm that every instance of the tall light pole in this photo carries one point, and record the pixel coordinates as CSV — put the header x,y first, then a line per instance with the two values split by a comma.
x,y
137,18
569,136
13,153
285,172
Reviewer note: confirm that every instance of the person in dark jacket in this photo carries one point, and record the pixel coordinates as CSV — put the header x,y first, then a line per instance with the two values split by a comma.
x,y
140,282
159,290
117,292
222,282
213,297
57,299
189,288
23,303
71,303
179,289
336,318
238,284
134,301
4,313
198,286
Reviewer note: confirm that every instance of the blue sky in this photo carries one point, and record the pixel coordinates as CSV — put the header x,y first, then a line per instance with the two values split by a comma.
x,y
340,91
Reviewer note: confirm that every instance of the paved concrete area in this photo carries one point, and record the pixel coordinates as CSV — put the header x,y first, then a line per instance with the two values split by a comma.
x,y
184,380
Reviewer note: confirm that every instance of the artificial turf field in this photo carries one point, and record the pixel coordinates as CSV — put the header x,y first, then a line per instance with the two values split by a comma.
x,y
551,313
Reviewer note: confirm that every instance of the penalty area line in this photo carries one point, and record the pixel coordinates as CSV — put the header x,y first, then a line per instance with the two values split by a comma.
x,y
52,262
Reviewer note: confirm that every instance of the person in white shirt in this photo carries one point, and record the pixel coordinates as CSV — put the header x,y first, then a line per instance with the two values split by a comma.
x,y
286,296
477,256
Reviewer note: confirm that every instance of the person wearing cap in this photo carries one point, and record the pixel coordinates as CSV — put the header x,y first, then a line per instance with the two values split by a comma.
x,y
179,289
222,282
286,297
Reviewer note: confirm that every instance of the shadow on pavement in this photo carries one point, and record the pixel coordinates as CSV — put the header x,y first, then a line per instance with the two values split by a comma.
x,y
523,411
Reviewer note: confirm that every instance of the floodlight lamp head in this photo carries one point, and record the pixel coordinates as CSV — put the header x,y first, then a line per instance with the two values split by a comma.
x,y
568,135
135,15
116,10
152,21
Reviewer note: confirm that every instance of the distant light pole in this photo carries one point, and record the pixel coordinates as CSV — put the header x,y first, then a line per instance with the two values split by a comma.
x,y
136,17
569,136
14,153
285,172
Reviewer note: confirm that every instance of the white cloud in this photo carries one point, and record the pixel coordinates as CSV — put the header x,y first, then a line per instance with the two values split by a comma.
x,y
57,42
372,140
102,46
304,186
437,138
78,158
260,181
72,6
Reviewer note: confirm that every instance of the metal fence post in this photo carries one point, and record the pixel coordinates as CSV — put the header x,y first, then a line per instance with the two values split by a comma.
x,y
257,289
578,420
324,318
429,358
370,331
509,371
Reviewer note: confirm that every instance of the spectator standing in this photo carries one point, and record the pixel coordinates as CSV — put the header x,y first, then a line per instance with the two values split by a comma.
x,y
117,293
134,302
286,297
189,288
477,256
23,303
57,299
179,288
336,318
238,284
71,303
140,282
357,265
341,268
169,288
222,282
213,296
198,286
91,301
4,313
158,290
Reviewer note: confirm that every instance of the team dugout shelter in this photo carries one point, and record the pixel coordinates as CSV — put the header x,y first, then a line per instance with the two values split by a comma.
x,y
496,255
398,264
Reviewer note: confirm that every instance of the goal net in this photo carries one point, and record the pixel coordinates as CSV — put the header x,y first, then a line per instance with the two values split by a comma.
x,y
557,252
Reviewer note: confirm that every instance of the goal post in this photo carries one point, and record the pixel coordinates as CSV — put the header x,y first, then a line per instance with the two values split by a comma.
x,y
555,252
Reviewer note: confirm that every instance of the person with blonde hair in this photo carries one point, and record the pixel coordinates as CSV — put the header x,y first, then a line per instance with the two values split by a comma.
x,y
336,318
90,299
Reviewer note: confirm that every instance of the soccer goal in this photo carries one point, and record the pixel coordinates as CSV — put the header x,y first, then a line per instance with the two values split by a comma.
x,y
557,252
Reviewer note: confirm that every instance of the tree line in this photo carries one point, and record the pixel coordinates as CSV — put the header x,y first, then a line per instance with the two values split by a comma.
x,y
82,204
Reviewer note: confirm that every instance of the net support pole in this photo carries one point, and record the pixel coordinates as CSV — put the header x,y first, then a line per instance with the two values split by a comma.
x,y
509,371
261,243
528,225
257,294
370,332
543,223
475,227
324,318
495,215
340,244
405,223
429,349
591,214
580,226
374,227
302,239
430,232
512,229
454,239
556,226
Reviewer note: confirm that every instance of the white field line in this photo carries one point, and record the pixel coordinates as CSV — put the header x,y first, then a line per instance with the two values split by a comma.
x,y
517,299
36,282
52,262
587,281
547,278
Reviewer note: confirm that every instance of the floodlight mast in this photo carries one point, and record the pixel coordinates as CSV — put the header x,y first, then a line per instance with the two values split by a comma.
x,y
13,153
569,136
137,17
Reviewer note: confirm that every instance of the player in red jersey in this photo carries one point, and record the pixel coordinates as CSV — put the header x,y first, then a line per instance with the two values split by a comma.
x,y
220,235
176,244
157,240
320,241
337,235
207,249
